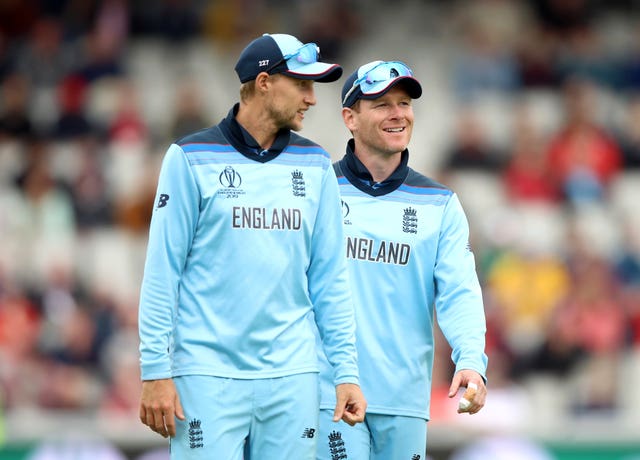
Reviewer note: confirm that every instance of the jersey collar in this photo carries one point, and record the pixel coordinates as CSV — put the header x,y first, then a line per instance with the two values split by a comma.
x,y
359,175
244,142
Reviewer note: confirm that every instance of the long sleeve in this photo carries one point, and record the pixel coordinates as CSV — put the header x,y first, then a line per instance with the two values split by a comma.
x,y
328,285
175,215
459,303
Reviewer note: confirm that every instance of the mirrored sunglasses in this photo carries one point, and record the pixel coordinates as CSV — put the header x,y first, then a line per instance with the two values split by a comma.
x,y
306,54
378,77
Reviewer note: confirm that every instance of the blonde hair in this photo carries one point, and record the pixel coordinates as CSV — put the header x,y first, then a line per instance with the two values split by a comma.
x,y
247,90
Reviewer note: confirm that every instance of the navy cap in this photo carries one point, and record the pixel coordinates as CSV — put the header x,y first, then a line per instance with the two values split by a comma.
x,y
282,53
387,75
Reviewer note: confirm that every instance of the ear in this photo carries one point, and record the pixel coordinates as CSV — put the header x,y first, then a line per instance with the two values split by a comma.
x,y
262,81
349,116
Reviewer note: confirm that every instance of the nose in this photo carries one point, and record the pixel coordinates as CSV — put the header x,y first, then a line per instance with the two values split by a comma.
x,y
310,96
397,112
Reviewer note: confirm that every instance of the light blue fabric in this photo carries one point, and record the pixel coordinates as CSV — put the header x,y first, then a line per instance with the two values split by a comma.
x,y
380,437
277,418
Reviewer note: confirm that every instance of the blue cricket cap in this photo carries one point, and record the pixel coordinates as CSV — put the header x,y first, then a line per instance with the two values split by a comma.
x,y
282,53
376,78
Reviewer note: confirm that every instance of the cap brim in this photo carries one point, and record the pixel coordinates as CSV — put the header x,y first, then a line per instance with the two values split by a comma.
x,y
413,87
317,71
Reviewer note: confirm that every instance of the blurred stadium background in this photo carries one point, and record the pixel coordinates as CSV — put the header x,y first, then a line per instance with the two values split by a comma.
x,y
530,111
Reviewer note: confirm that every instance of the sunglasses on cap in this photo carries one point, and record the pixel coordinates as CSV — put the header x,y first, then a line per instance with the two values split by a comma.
x,y
306,54
377,78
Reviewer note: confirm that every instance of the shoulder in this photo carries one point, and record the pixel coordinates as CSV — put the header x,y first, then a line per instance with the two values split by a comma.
x,y
420,181
303,145
210,135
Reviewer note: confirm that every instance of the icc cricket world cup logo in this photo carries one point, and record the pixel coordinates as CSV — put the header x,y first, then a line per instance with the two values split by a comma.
x,y
230,178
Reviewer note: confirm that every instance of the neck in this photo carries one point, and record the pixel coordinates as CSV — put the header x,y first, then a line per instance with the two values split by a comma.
x,y
379,165
257,123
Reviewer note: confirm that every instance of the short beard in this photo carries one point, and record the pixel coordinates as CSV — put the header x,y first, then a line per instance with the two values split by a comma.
x,y
280,119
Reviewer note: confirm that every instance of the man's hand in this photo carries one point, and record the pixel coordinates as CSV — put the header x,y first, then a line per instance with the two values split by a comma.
x,y
476,394
350,404
159,405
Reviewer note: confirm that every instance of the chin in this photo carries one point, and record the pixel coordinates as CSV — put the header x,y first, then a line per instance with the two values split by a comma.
x,y
295,126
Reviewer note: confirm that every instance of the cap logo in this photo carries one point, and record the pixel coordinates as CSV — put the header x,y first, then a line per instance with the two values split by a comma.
x,y
393,73
263,62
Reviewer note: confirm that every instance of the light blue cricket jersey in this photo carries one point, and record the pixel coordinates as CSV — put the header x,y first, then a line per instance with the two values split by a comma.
x,y
245,250
407,245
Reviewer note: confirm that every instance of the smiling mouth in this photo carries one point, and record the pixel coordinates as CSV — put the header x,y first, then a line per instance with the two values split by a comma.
x,y
394,130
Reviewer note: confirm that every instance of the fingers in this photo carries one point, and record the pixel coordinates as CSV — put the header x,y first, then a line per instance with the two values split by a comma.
x,y
170,421
351,404
455,385
475,393
473,398
159,405
341,405
157,421
354,413
465,403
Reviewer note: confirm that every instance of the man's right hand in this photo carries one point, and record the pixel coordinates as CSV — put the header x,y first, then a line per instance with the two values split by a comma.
x,y
159,405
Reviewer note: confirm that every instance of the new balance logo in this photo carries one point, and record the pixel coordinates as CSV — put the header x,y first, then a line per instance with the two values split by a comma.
x,y
162,200
308,433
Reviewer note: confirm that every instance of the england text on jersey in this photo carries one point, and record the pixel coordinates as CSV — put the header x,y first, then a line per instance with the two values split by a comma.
x,y
267,219
387,252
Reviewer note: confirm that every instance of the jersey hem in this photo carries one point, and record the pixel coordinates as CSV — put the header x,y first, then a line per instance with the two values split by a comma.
x,y
248,375
384,411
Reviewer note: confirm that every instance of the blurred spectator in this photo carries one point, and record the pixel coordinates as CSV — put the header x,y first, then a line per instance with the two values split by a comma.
x,y
525,175
171,20
120,362
527,288
20,323
483,65
6,58
582,55
536,59
562,17
232,22
128,126
582,157
104,44
188,112
631,61
89,192
72,122
15,123
558,354
46,205
594,309
629,134
17,17
318,21
45,58
471,147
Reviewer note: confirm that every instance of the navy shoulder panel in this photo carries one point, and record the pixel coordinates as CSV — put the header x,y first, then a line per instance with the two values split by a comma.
x,y
210,135
415,179
297,139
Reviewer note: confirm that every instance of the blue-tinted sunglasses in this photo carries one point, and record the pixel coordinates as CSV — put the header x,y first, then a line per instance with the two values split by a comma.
x,y
306,54
378,77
